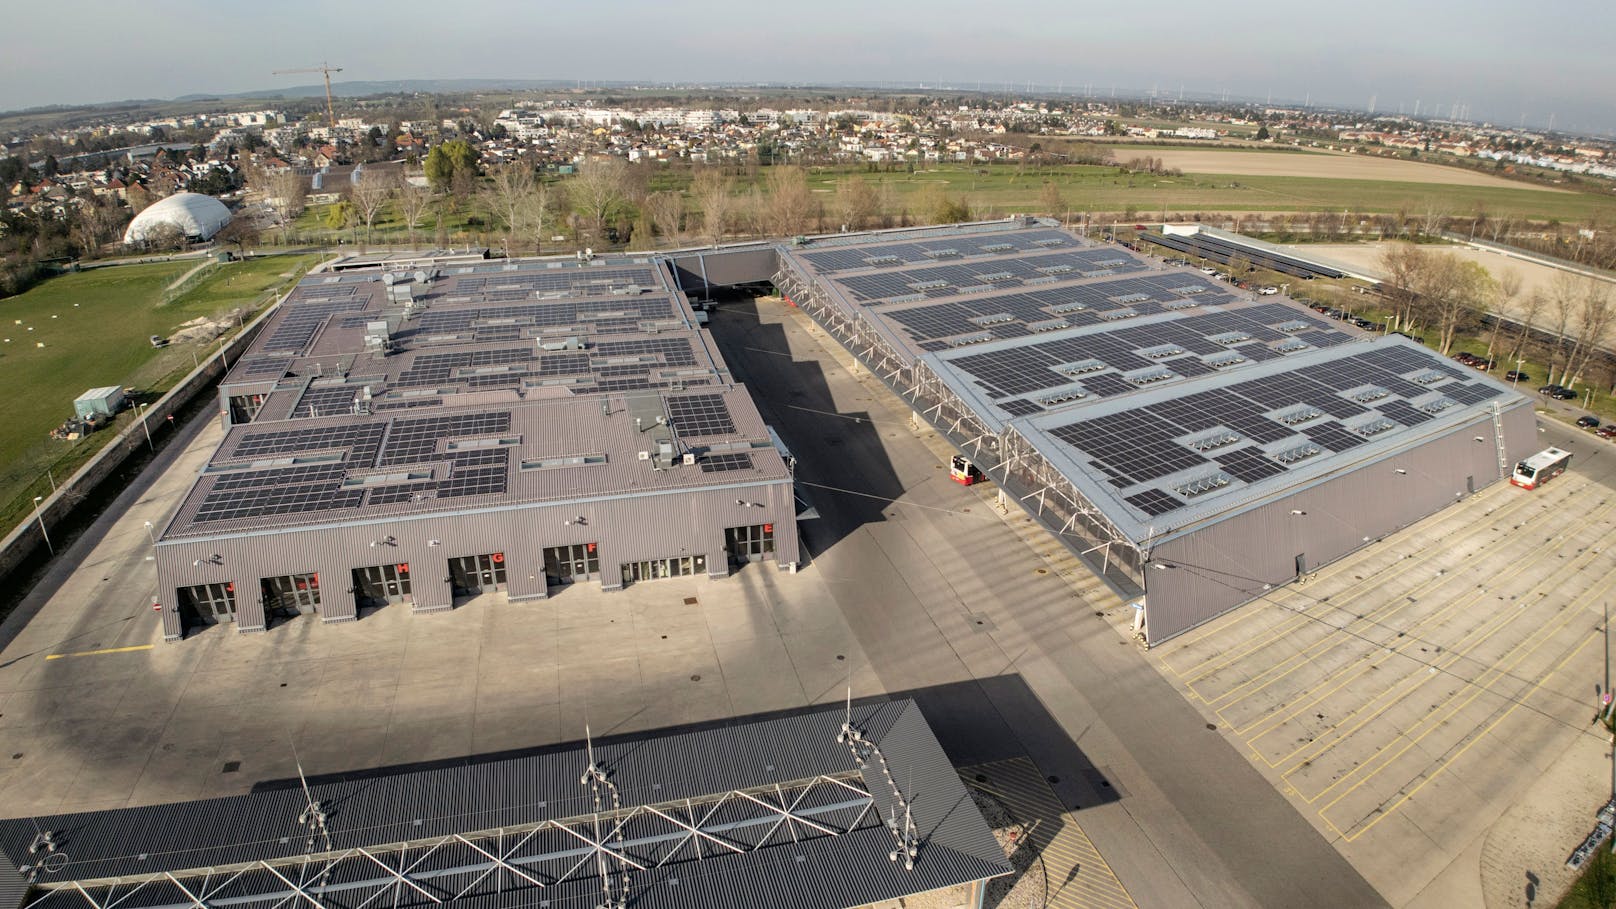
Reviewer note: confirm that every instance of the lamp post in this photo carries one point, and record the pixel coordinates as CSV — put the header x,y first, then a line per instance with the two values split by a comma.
x,y
150,532
41,519
141,409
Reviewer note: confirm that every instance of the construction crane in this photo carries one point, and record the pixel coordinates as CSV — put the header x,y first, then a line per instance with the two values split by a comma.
x,y
327,70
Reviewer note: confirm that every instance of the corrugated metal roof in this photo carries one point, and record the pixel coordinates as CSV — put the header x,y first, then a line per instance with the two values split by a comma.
x,y
795,866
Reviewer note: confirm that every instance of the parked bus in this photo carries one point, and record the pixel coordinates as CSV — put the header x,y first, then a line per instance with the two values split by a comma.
x,y
1541,468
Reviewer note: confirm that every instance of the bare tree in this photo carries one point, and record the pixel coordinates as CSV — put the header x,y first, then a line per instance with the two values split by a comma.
x,y
286,193
1432,219
413,201
1594,317
715,196
368,195
1562,305
1530,308
507,196
1507,288
790,201
1402,263
1450,289
666,211
600,191
1051,200
857,203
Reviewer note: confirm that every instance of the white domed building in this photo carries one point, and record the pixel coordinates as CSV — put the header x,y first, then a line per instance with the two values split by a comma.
x,y
196,216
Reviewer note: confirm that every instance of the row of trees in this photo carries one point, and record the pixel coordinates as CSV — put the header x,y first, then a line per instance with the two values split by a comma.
x,y
1438,291
610,200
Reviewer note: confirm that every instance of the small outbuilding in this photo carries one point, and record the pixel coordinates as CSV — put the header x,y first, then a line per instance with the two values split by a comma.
x,y
99,402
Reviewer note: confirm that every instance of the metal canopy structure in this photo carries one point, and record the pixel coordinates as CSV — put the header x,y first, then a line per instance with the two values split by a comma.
x,y
1132,406
802,811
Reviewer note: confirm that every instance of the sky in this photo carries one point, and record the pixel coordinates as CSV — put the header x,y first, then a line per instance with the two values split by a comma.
x,y
1505,61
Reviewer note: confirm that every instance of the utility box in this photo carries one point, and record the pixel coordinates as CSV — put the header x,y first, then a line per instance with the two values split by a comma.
x,y
99,402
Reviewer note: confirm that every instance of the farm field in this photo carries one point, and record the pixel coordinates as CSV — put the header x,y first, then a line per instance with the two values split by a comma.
x,y
1332,165
95,327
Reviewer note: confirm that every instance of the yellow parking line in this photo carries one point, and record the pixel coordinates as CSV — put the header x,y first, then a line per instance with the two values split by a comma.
x,y
1432,774
58,656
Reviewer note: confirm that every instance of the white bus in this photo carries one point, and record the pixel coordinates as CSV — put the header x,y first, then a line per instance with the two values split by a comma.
x,y
1541,468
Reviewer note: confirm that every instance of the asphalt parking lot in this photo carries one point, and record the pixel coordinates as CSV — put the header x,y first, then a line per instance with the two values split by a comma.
x,y
1404,698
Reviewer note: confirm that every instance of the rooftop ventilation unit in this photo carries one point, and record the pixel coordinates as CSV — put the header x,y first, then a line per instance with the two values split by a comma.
x,y
1099,272
1189,290
993,276
1125,299
1225,360
1370,394
947,253
1296,416
998,247
1117,315
1438,405
883,260
572,343
1292,345
1056,269
1427,377
1048,325
1161,351
1229,337
1064,308
977,338
1151,376
994,319
1374,427
1214,440
1049,243
1294,325
928,285
1080,367
1202,485
1179,304
1297,453
1063,397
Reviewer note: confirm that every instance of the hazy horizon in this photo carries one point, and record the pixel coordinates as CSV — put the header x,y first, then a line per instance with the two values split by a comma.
x,y
1483,58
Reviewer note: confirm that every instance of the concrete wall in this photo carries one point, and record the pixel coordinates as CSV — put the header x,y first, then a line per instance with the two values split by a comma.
x,y
1210,571
625,529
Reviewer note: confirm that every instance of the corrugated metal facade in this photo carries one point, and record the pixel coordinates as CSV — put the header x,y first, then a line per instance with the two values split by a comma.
x,y
1206,572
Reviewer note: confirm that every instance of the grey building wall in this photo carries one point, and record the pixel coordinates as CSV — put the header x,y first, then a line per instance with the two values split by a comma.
x,y
1196,577
626,528
695,271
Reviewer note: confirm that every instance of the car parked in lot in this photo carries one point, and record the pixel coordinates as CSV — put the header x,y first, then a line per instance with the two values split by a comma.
x,y
1515,375
1557,392
1268,290
1606,432
1588,421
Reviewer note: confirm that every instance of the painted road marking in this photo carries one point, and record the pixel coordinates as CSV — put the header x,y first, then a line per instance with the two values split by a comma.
x,y
131,649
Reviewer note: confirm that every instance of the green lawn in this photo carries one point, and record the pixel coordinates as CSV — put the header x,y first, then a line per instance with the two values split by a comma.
x,y
95,327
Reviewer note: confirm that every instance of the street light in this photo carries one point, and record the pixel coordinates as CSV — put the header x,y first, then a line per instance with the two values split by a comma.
x,y
141,409
41,519
151,533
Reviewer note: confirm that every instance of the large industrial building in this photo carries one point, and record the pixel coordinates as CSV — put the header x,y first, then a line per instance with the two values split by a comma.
x,y
828,809
417,437
1197,443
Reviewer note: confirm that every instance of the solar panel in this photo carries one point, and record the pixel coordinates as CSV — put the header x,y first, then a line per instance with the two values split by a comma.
x,y
700,415
721,463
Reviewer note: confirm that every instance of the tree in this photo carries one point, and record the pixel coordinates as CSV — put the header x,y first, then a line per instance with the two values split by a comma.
x,y
1508,287
599,192
790,201
1450,289
339,215
506,196
412,203
1051,201
368,196
715,197
1402,262
164,236
1594,316
285,193
857,203
1523,329
242,230
449,163
665,211
1262,133
1562,304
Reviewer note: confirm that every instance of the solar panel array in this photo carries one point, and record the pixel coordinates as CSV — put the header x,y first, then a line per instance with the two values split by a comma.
x,y
695,416
521,320
893,254
1161,457
967,277
1103,363
1208,246
289,487
944,325
298,322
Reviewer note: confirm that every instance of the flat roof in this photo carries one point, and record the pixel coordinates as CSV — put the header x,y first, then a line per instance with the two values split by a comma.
x,y
1165,397
777,812
505,451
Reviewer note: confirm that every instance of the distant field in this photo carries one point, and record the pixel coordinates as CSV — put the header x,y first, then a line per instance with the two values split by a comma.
x,y
95,327
1247,163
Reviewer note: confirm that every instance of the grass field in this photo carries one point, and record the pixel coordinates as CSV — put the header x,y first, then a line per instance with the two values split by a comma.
x,y
95,327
